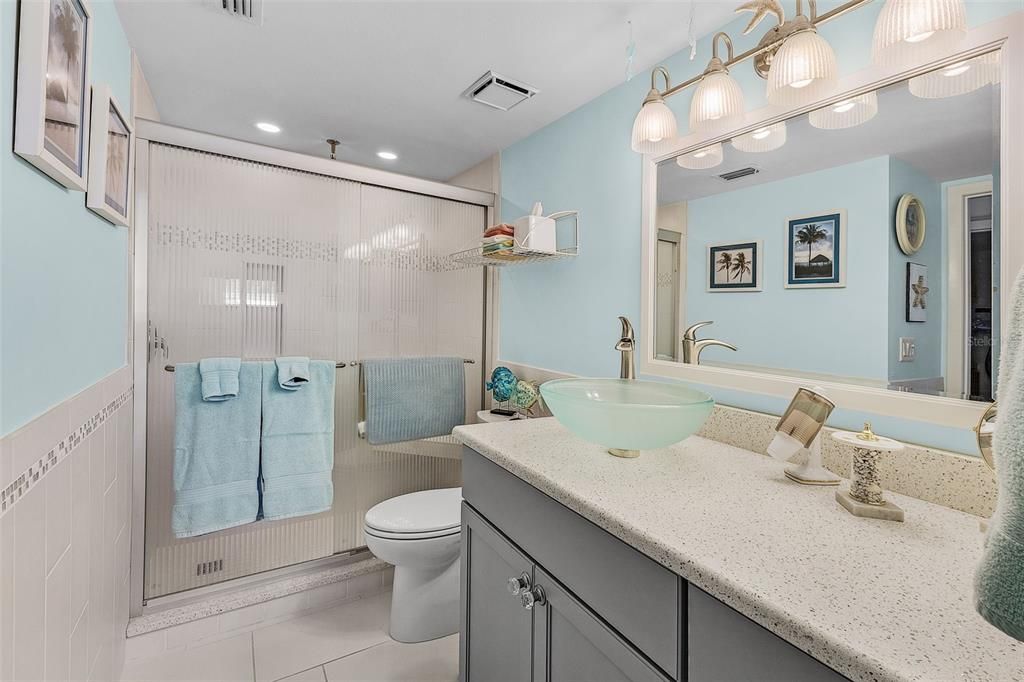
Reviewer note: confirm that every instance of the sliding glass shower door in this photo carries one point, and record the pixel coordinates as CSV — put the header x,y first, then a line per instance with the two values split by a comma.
x,y
257,260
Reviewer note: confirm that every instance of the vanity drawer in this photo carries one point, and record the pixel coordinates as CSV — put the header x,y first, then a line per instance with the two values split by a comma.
x,y
636,596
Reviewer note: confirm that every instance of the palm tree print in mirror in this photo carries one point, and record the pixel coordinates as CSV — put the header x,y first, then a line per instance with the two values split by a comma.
x,y
815,251
65,83
734,267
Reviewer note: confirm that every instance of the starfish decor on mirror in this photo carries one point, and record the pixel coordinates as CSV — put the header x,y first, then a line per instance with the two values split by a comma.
x,y
761,9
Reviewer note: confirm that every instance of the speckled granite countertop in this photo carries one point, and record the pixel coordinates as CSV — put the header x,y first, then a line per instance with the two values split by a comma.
x,y
874,600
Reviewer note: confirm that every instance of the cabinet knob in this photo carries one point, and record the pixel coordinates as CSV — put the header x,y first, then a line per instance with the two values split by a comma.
x,y
520,584
534,597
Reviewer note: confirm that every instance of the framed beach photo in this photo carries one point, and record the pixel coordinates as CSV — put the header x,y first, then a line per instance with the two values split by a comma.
x,y
111,142
51,111
735,266
917,292
816,251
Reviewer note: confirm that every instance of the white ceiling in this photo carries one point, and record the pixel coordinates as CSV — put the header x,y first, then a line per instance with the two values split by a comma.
x,y
389,75
946,139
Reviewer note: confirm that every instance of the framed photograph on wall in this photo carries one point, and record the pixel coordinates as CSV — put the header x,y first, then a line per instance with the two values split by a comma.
x,y
735,266
816,251
111,142
917,292
51,112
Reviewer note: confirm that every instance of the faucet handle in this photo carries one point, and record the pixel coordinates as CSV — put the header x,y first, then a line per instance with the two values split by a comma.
x,y
627,328
691,332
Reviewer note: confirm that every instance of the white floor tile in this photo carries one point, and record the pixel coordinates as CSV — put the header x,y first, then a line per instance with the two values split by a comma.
x,y
314,675
222,661
436,661
310,640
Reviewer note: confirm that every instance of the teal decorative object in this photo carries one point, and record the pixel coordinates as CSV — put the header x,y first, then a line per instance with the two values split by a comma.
x,y
526,395
502,384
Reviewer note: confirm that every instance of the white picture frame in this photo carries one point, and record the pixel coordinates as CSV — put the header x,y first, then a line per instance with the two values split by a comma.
x,y
111,158
832,221
52,108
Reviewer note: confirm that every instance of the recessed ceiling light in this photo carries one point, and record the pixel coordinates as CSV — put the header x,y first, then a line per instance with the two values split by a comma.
x,y
387,156
268,127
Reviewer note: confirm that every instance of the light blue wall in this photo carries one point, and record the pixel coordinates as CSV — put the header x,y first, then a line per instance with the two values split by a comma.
x,y
811,330
928,336
63,270
563,316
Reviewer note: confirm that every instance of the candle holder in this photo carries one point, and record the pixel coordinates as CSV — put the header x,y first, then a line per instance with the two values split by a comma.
x,y
865,496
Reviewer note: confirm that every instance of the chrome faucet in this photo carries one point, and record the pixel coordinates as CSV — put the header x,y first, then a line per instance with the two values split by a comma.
x,y
626,344
692,348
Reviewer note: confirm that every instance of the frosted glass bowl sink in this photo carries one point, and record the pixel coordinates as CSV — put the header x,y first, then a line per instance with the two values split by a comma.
x,y
627,415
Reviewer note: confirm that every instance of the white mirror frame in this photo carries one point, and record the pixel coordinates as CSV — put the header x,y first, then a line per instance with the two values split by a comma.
x,y
1006,34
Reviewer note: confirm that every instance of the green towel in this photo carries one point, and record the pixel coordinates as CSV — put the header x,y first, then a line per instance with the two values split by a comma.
x,y
999,582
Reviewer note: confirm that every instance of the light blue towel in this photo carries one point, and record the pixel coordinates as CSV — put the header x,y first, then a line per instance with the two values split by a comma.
x,y
216,453
413,398
219,378
298,443
292,372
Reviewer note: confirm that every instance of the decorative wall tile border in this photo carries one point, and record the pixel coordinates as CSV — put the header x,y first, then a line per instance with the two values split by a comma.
x,y
31,476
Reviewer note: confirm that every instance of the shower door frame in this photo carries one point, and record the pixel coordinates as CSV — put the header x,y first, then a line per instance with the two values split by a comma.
x,y
148,132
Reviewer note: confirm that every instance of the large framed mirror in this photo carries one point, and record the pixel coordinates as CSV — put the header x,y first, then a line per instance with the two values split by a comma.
x,y
858,244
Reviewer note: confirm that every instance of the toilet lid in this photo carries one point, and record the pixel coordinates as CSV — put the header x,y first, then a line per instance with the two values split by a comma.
x,y
423,512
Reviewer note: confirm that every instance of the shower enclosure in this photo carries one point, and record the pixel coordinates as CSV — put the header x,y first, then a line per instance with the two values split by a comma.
x,y
241,250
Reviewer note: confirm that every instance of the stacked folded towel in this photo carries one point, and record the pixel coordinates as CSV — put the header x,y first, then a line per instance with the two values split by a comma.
x,y
498,241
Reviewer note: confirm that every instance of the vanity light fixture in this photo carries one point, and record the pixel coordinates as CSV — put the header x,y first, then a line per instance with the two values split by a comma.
x,y
718,100
655,122
268,127
387,156
764,139
804,68
958,78
910,30
707,157
846,113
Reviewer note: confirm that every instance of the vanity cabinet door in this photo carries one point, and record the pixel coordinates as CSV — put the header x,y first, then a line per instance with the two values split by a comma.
x,y
496,630
571,644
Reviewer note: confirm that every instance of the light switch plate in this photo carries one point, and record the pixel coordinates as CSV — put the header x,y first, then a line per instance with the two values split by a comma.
x,y
908,349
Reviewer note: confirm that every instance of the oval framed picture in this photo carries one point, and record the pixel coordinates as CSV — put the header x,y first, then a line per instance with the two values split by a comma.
x,y
910,224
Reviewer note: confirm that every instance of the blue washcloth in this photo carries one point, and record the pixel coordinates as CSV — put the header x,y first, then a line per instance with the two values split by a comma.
x,y
999,581
219,378
413,398
216,454
292,373
298,443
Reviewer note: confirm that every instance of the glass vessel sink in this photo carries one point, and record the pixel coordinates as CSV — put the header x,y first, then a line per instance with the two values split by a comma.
x,y
627,415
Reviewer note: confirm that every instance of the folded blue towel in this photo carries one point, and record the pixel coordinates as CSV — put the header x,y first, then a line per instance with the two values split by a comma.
x,y
413,398
292,373
220,378
216,454
298,443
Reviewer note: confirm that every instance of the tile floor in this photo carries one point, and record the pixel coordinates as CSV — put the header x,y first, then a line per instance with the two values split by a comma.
x,y
346,643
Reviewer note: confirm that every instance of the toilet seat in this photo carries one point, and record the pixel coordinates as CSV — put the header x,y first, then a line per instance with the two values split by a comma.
x,y
416,516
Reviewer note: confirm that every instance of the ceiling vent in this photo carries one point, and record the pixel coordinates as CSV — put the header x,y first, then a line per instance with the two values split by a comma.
x,y
247,10
499,92
737,174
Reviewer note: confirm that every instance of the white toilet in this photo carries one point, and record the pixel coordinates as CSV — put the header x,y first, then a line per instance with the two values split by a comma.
x,y
420,534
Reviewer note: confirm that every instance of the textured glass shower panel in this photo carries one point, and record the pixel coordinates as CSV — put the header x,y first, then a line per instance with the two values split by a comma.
x,y
255,260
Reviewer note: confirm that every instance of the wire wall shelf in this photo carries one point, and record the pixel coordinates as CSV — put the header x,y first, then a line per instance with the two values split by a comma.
x,y
475,257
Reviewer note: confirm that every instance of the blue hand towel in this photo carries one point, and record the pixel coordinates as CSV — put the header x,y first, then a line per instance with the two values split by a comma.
x,y
999,581
413,398
219,378
216,454
298,443
292,372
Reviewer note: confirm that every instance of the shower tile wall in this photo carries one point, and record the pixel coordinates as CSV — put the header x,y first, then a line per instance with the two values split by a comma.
x,y
65,494
254,260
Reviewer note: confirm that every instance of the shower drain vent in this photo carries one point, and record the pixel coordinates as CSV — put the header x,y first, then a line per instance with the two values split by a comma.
x,y
208,567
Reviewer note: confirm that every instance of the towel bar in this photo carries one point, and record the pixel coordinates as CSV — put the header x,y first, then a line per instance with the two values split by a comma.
x,y
170,368
339,365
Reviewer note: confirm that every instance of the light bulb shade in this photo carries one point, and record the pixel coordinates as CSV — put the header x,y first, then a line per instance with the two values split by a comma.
x,y
957,79
717,103
846,113
762,139
654,124
708,157
911,30
803,70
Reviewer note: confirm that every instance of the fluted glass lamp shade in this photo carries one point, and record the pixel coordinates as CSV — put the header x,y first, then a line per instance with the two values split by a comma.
x,y
803,70
846,113
708,157
957,79
717,103
654,124
909,30
762,139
